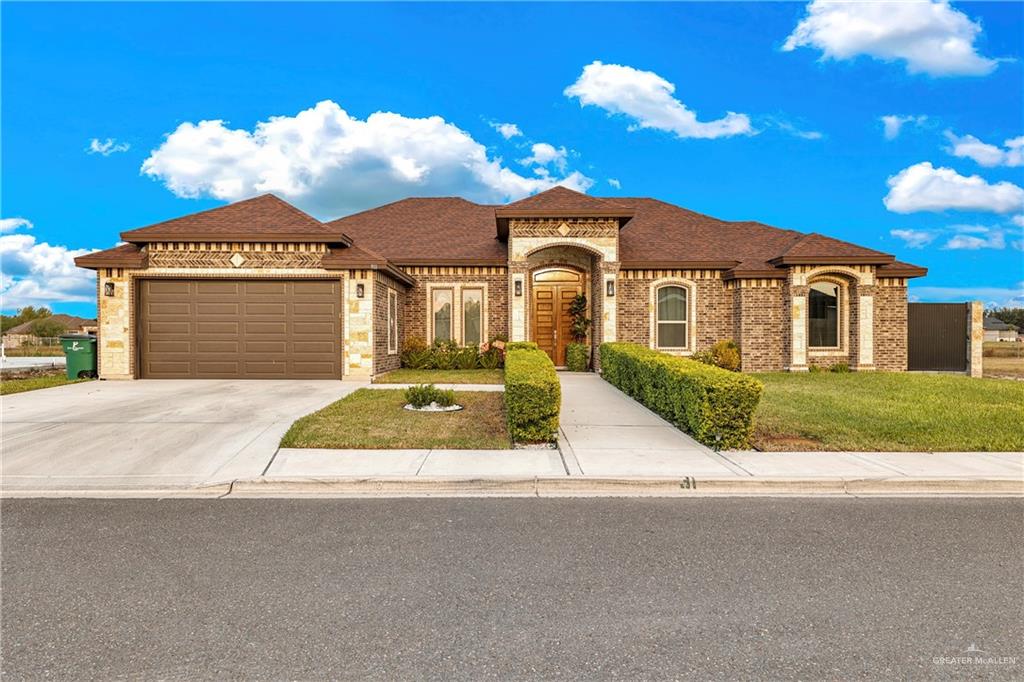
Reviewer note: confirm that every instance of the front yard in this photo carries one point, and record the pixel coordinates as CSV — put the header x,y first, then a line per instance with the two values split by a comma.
x,y
889,412
375,418
442,376
32,383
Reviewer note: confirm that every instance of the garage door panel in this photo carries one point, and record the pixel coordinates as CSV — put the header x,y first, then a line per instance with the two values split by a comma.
x,y
240,329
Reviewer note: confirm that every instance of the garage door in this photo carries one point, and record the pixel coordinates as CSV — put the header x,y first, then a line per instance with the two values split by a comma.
x,y
239,329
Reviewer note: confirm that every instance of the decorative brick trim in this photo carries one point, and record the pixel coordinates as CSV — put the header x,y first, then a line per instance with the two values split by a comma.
x,y
759,283
862,274
455,270
243,247
659,274
691,318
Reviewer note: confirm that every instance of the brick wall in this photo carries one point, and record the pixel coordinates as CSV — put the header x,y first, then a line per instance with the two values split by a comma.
x,y
714,311
759,324
416,306
383,361
891,327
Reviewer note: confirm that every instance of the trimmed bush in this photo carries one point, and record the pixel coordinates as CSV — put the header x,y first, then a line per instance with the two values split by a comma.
x,y
533,395
713,405
576,359
521,345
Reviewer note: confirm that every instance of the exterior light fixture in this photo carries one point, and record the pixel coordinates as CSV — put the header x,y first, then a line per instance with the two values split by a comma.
x,y
519,287
610,287
108,289
360,290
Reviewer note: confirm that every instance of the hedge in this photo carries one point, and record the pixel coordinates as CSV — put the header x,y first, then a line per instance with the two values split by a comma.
x,y
533,395
713,405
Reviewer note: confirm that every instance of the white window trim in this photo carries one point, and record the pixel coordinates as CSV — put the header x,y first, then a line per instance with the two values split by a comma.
x,y
392,321
842,334
457,319
691,322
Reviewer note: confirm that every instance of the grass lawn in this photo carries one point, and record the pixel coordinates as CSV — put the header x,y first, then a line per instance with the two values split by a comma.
x,y
375,418
1003,359
9,386
34,352
889,411
442,376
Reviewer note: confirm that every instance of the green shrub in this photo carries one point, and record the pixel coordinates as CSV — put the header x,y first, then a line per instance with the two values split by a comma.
x,y
576,359
840,368
416,354
466,358
490,359
442,354
724,354
533,395
424,394
521,345
713,405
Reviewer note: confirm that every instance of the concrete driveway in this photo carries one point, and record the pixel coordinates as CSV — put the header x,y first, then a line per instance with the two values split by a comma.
x,y
151,434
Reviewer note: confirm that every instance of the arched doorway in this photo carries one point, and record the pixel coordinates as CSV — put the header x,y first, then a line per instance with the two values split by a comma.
x,y
553,290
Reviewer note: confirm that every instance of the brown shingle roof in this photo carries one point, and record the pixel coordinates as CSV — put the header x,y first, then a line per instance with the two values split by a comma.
x,y
261,218
70,323
123,256
565,201
817,248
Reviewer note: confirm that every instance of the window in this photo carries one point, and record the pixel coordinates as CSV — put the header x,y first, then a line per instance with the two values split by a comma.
x,y
442,310
671,327
823,315
392,321
472,316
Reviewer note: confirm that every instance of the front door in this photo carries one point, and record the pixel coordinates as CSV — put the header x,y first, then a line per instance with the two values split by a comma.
x,y
553,292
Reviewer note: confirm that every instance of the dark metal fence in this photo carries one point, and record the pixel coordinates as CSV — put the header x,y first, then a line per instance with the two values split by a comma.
x,y
937,336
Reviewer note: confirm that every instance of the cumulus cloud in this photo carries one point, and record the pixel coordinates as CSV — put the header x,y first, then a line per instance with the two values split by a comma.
x,y
331,164
507,130
38,273
993,239
894,123
107,147
648,99
991,296
914,239
12,224
543,154
1018,220
614,183
929,37
922,187
984,154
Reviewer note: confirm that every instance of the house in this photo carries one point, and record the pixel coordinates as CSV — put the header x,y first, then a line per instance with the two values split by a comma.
x,y
997,330
259,289
23,333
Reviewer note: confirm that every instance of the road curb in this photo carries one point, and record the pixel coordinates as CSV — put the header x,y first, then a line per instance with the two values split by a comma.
x,y
575,486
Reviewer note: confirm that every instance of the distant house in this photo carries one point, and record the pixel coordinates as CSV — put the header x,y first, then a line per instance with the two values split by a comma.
x,y
22,334
997,330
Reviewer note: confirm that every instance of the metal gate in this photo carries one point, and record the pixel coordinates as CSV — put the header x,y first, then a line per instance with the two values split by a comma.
x,y
937,336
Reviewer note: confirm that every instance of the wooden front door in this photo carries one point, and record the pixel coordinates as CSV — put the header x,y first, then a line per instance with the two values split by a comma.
x,y
553,292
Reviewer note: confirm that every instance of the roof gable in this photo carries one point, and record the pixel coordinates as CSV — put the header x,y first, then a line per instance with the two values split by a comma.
x,y
817,248
565,202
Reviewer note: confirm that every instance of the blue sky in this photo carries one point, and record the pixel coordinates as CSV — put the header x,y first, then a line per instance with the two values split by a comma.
x,y
102,105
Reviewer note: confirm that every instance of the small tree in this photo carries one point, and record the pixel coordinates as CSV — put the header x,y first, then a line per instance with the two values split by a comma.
x,y
47,328
580,322
1014,316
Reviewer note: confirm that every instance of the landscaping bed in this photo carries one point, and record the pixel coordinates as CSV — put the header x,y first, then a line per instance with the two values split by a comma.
x,y
888,412
407,375
377,419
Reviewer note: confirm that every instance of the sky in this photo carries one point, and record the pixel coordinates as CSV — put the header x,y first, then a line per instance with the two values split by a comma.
x,y
898,126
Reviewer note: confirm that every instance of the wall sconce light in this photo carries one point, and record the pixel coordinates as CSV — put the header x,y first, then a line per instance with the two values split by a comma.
x,y
519,287
610,287
108,288
360,290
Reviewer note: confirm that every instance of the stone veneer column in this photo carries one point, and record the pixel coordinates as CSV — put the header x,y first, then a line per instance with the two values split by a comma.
x,y
114,325
517,304
798,330
975,338
865,329
358,326
609,273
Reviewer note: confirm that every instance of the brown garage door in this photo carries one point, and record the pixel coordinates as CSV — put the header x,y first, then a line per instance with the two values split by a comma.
x,y
239,329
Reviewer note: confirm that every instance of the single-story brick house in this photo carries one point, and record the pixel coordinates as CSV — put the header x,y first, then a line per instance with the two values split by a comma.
x,y
260,289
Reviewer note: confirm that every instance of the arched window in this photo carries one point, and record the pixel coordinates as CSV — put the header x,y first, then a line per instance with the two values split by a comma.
x,y
823,315
671,327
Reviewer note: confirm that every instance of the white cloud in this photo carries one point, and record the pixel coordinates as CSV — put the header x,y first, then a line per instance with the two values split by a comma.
x,y
894,123
544,154
991,296
995,239
914,239
1018,220
788,127
986,154
37,273
12,224
648,99
507,130
614,183
922,187
930,37
331,164
107,147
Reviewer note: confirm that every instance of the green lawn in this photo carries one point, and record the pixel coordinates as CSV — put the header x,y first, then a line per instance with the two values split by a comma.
x,y
9,386
442,376
34,352
889,411
375,418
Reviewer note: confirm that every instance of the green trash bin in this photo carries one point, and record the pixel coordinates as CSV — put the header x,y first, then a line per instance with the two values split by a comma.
x,y
80,351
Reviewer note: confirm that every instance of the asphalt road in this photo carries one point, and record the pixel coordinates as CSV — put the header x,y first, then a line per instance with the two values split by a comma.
x,y
512,589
